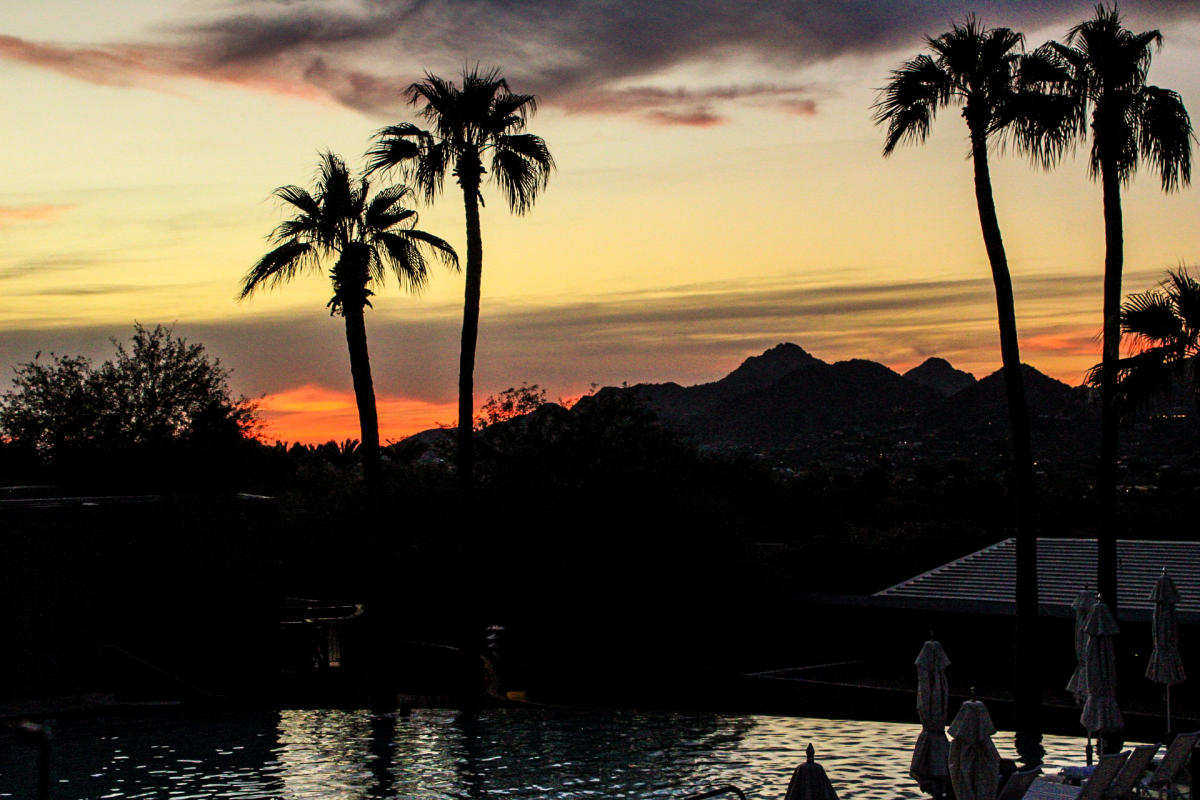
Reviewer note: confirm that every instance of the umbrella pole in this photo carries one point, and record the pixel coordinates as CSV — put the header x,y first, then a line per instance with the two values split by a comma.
x,y
1168,711
1089,749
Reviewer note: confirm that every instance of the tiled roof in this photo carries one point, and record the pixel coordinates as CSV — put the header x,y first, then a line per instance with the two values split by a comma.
x,y
985,581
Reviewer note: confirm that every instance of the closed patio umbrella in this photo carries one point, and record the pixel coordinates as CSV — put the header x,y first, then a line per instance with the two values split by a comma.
x,y
929,768
974,763
1083,604
809,781
1100,710
1165,664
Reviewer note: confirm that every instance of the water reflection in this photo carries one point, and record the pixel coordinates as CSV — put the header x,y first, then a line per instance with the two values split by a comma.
x,y
442,755
323,754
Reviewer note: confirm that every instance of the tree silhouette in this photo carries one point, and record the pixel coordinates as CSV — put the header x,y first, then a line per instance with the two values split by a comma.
x,y
162,389
363,237
1102,70
979,69
159,416
1165,324
481,119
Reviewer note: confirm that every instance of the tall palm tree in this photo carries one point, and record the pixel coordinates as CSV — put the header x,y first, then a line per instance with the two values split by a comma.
x,y
363,236
482,119
1103,69
978,69
1165,324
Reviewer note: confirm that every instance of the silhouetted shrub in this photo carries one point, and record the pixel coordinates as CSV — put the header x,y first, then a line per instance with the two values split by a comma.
x,y
158,415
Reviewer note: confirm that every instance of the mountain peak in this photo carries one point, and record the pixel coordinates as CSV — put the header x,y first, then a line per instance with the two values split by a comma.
x,y
938,374
772,365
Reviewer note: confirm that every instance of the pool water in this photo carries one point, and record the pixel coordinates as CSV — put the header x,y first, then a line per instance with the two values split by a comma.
x,y
435,754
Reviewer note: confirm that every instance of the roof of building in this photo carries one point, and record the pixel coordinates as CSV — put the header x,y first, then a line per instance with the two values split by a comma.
x,y
985,581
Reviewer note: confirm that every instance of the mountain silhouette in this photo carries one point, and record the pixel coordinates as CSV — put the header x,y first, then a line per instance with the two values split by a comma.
x,y
939,375
984,403
761,371
786,399
813,402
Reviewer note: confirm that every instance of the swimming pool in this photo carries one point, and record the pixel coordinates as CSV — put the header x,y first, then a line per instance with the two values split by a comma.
x,y
443,755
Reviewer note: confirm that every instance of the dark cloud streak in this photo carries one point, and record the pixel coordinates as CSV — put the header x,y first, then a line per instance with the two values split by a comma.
x,y
688,334
582,56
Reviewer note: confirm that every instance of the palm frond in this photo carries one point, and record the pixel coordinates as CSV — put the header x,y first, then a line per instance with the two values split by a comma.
x,y
1044,114
406,260
1150,317
434,98
300,198
909,103
1184,291
1163,322
1165,136
509,112
397,146
520,177
431,168
436,245
336,193
388,220
278,266
1073,58
382,212
301,227
1143,378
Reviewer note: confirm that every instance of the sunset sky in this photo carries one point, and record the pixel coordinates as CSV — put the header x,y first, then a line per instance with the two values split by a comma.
x,y
719,189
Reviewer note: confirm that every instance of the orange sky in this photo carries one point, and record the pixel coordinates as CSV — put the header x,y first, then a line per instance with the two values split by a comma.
x,y
316,414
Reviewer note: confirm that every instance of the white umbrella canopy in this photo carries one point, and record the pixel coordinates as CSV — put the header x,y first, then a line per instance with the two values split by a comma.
x,y
1100,710
974,762
1083,604
1165,664
929,766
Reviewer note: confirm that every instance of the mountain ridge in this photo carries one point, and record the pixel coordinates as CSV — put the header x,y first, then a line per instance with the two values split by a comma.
x,y
785,398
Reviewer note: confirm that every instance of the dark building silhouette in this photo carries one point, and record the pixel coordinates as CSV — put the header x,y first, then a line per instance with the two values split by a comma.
x,y
137,597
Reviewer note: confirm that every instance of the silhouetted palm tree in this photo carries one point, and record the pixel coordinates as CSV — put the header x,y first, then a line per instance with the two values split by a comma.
x,y
1165,322
363,237
1103,68
978,69
480,120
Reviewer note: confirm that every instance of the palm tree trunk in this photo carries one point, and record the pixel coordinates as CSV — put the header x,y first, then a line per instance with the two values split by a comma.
x,y
1106,483
364,397
469,172
1028,689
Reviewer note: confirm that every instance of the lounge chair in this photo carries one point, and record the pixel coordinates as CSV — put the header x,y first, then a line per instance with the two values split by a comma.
x,y
1130,776
1018,784
1093,789
1166,775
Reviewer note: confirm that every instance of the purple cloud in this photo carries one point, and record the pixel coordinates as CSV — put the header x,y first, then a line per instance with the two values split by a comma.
x,y
574,54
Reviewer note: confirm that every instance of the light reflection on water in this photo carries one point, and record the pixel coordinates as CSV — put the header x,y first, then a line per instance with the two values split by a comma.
x,y
441,755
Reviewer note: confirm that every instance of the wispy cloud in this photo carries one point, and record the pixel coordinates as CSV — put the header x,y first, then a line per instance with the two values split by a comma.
x,y
96,289
148,65
688,333
576,55
695,107
43,212
44,265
